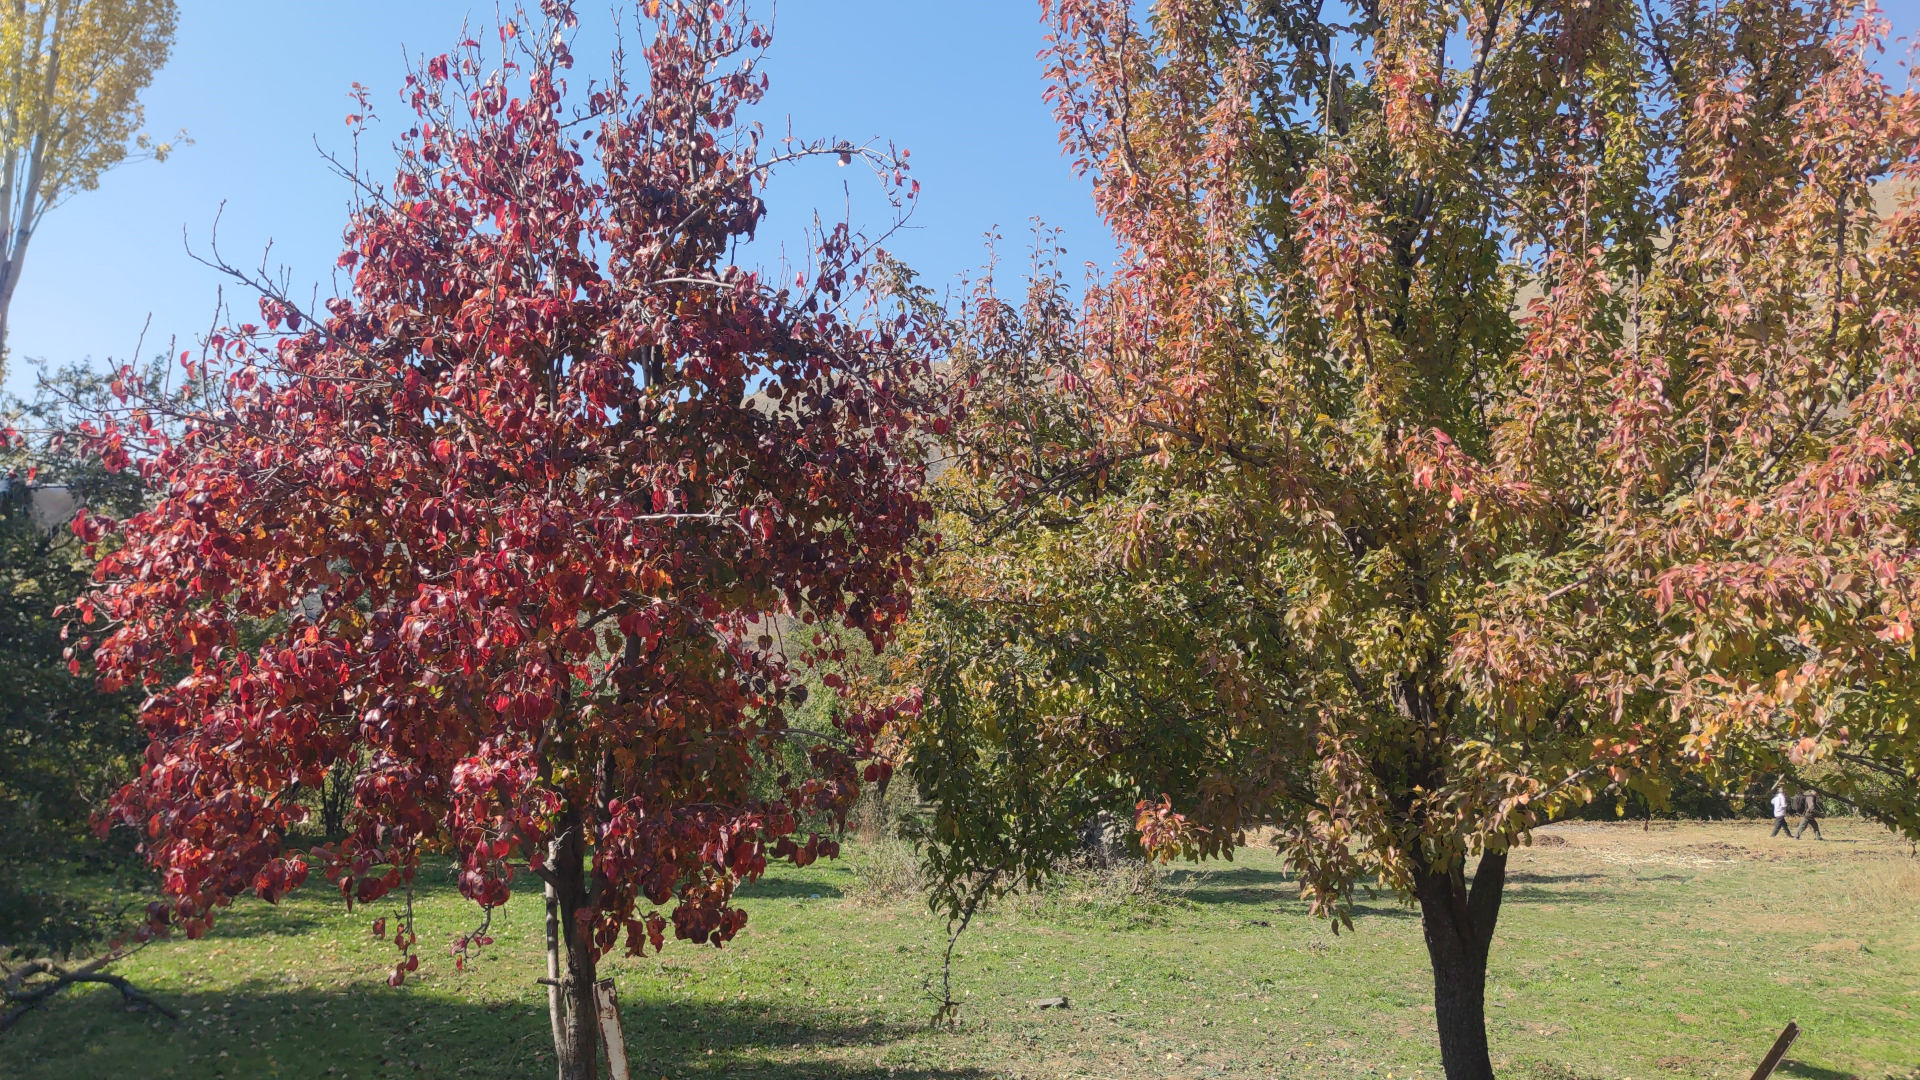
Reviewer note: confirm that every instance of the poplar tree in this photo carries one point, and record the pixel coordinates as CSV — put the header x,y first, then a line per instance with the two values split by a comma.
x,y
71,75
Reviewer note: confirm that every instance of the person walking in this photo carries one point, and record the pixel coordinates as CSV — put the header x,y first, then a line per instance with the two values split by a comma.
x,y
1780,814
1810,816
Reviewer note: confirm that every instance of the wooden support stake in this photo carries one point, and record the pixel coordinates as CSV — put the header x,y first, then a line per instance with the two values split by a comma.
x,y
1772,1060
607,1004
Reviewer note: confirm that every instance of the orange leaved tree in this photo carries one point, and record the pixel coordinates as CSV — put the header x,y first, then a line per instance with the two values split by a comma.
x,y
1497,400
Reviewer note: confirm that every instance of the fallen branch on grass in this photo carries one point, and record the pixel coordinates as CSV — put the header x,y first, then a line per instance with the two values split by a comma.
x,y
35,982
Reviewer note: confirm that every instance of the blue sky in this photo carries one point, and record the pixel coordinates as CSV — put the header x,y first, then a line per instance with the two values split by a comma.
x,y
256,82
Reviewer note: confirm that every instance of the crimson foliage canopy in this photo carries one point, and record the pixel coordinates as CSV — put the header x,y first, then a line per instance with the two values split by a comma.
x,y
518,534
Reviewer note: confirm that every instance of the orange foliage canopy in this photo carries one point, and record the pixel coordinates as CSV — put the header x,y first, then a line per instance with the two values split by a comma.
x,y
1496,402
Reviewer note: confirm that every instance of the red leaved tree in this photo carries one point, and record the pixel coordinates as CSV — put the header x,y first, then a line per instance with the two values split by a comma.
x,y
512,530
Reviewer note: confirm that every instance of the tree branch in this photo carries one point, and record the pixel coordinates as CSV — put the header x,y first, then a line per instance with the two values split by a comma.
x,y
36,982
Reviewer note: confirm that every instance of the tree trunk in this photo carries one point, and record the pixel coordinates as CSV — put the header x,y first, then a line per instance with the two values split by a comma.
x,y
1459,928
30,196
9,276
556,1000
570,960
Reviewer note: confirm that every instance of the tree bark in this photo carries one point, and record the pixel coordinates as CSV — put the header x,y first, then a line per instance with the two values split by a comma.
x,y
1459,927
556,1000
571,966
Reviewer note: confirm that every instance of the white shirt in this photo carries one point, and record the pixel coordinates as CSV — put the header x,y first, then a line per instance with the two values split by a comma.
x,y
1779,804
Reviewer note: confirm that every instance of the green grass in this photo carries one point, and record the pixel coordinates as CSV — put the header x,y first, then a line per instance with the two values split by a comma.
x,y
1679,951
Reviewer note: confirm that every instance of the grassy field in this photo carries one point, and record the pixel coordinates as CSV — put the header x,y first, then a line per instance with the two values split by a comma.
x,y
1676,951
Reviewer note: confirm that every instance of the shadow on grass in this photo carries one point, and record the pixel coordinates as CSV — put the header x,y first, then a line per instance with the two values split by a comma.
x,y
786,888
1549,879
1247,885
259,1030
1239,885
317,905
255,920
757,1040
1801,1069
1384,910
1576,897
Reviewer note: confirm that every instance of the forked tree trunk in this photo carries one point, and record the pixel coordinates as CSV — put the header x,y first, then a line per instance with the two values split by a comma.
x,y
1459,928
570,961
